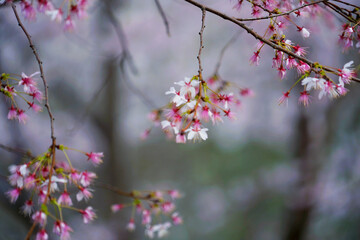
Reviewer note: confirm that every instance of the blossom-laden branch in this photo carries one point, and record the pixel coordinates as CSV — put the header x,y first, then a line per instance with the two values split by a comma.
x,y
53,189
150,206
42,175
40,63
198,100
278,14
273,43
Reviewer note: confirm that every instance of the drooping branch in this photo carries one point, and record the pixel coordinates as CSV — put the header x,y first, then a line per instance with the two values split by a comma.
x,y
264,40
227,45
163,16
125,55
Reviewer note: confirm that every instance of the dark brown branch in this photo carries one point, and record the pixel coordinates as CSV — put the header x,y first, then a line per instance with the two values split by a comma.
x,y
264,40
201,42
280,14
163,16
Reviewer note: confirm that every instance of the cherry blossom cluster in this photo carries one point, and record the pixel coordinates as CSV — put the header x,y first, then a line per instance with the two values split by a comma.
x,y
350,33
18,89
197,101
62,11
325,85
150,207
284,61
44,182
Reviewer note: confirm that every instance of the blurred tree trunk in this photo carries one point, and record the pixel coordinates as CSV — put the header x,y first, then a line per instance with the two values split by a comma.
x,y
301,203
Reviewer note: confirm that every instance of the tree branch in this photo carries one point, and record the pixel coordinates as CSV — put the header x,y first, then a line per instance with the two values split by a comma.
x,y
47,105
17,150
163,16
201,42
218,64
280,14
262,39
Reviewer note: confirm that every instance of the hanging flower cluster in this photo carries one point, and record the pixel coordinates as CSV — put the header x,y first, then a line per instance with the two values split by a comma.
x,y
149,206
196,102
53,183
21,88
65,12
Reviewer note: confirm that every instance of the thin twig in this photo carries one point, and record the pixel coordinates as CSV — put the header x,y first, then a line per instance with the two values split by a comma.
x,y
47,105
163,16
218,64
338,10
121,37
17,150
133,195
28,235
264,40
201,42
280,14
126,57
349,4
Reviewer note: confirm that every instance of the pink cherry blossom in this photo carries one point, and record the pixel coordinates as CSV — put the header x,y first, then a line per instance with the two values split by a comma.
x,y
42,235
28,10
176,218
65,199
39,217
146,217
255,59
84,193
28,207
131,225
95,158
69,24
284,98
86,178
21,116
13,194
304,98
88,214
117,207
180,138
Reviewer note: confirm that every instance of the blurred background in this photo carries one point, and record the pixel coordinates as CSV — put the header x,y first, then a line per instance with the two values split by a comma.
x,y
276,172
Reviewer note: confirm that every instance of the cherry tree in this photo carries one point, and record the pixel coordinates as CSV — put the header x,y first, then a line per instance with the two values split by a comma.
x,y
53,184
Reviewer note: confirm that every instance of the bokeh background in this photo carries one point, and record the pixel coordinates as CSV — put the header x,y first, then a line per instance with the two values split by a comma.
x,y
275,173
